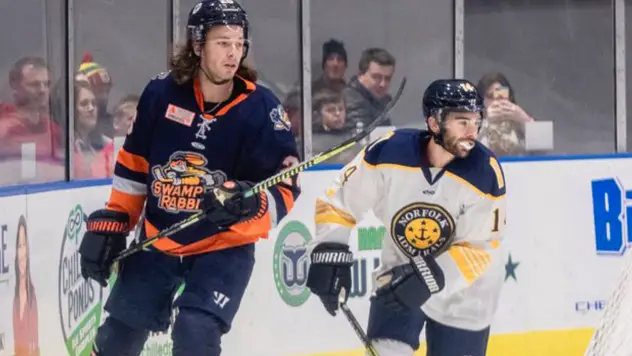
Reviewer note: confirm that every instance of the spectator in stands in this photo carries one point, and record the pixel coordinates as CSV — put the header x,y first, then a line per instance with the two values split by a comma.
x,y
292,106
25,318
328,124
101,82
30,81
88,140
503,132
124,117
334,65
28,119
329,112
27,133
367,93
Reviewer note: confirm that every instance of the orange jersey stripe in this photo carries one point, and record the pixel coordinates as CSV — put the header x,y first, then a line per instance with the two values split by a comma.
x,y
220,241
133,162
288,198
126,203
250,86
256,227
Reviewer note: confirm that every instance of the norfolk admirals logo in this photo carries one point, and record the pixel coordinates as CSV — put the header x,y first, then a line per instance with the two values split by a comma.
x,y
180,183
422,228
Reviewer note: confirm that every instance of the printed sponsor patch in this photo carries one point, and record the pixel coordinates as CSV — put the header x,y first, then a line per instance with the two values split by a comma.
x,y
180,115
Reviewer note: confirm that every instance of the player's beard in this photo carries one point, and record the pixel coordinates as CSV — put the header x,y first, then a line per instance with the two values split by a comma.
x,y
456,146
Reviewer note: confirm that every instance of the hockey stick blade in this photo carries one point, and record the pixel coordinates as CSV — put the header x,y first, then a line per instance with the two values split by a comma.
x,y
275,179
355,324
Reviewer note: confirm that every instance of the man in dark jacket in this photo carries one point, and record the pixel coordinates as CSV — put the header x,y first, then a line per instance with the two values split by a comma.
x,y
367,93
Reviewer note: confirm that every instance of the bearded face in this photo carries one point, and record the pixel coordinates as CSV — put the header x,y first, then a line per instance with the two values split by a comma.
x,y
460,131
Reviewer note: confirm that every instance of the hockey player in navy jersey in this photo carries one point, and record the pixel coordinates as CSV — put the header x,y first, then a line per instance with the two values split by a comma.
x,y
203,126
441,196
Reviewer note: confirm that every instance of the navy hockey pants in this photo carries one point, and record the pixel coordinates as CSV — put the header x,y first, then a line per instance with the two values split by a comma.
x,y
441,340
141,300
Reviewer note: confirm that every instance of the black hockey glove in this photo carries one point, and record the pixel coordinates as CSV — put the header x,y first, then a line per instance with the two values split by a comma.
x,y
226,206
104,240
410,285
329,272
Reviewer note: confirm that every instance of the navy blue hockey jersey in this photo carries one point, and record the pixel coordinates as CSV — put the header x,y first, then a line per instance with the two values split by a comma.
x,y
176,152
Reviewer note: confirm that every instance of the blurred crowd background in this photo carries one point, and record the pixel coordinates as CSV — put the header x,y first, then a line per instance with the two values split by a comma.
x,y
70,80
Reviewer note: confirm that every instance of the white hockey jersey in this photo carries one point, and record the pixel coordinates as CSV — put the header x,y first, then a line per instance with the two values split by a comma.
x,y
456,214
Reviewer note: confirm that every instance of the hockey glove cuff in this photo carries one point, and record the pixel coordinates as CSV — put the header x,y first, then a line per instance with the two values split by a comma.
x,y
329,272
409,286
225,205
104,240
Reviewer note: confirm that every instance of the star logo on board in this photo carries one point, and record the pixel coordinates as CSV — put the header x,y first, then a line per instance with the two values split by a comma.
x,y
510,269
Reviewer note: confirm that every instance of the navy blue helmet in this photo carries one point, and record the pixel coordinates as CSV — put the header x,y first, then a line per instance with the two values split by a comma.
x,y
208,13
450,95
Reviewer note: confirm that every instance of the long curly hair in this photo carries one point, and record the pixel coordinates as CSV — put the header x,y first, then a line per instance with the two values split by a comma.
x,y
185,64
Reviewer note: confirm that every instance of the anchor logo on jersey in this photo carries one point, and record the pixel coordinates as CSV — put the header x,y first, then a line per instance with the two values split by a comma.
x,y
422,228
180,183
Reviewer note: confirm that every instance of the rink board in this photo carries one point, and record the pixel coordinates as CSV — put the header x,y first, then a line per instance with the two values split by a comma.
x,y
549,308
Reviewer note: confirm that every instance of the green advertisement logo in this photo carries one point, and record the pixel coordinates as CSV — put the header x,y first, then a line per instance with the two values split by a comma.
x,y
291,262
80,300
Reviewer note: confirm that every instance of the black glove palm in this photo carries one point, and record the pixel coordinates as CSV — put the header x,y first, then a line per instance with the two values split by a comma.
x,y
103,241
329,272
225,205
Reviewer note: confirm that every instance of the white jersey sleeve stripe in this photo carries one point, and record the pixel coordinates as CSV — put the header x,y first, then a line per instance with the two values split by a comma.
x,y
129,186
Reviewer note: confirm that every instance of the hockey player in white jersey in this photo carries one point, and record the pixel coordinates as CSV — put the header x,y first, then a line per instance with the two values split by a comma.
x,y
441,196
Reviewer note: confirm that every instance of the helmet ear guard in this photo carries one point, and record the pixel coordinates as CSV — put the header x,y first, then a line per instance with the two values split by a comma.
x,y
439,115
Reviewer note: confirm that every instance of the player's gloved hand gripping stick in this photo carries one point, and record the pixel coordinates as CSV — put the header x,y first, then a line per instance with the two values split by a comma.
x,y
272,181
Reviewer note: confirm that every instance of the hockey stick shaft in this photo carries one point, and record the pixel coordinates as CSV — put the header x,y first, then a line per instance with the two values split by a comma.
x,y
177,227
355,324
277,178
321,157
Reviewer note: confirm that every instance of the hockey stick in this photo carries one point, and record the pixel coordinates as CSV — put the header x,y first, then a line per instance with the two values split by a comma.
x,y
323,156
275,179
355,324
